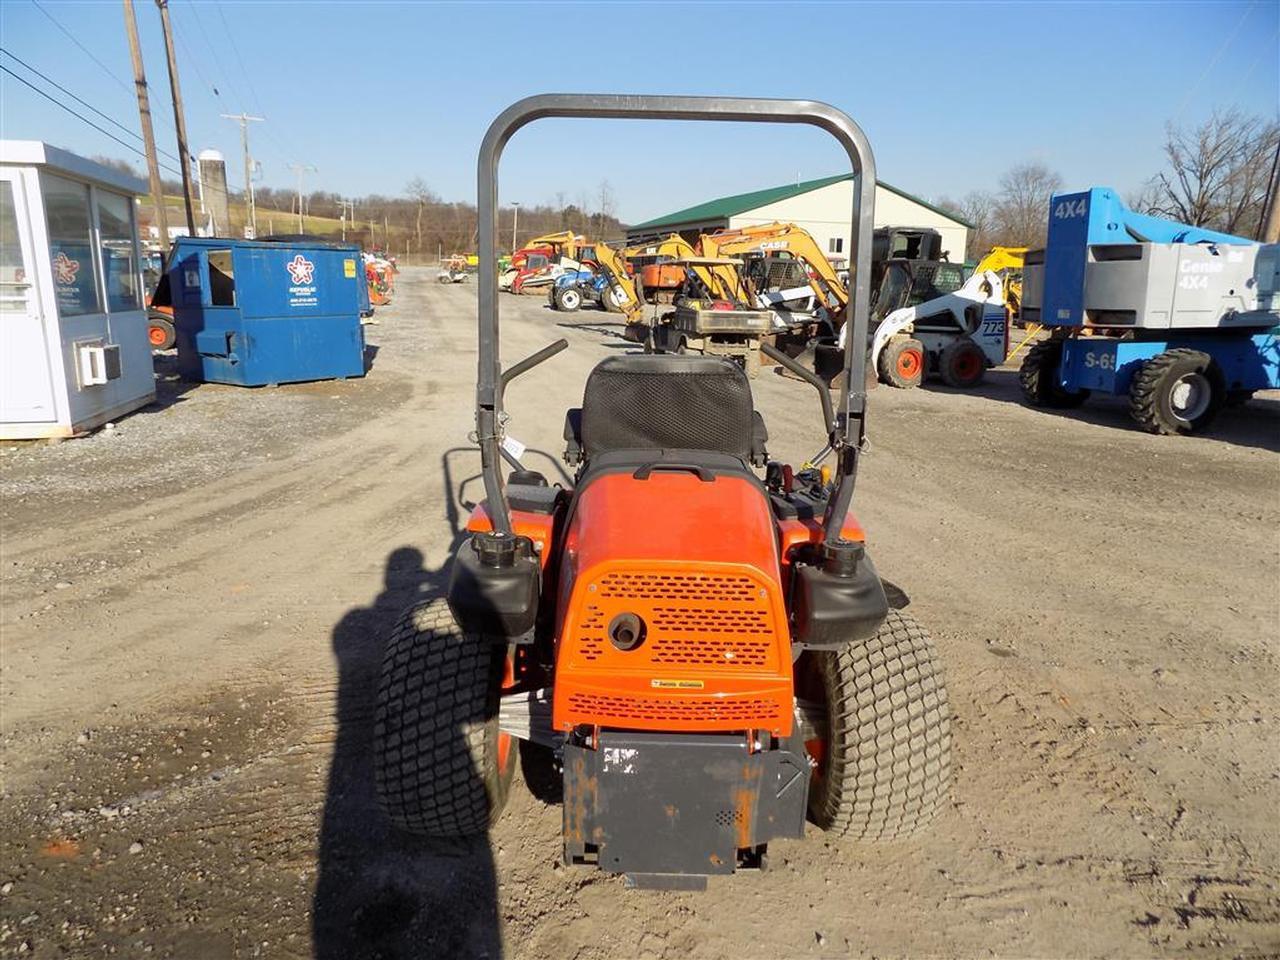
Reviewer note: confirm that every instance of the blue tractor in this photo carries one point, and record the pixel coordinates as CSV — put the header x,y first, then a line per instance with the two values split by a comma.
x,y
1179,319
575,286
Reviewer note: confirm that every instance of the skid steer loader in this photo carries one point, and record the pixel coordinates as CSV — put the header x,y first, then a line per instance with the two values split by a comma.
x,y
710,653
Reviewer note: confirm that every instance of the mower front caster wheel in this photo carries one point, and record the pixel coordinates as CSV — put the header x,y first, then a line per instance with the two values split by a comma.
x,y
441,765
882,765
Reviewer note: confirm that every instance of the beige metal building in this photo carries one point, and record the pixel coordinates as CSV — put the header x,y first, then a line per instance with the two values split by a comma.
x,y
822,207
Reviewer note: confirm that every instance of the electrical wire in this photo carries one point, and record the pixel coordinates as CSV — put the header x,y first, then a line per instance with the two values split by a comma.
x,y
87,52
231,87
235,48
82,102
82,117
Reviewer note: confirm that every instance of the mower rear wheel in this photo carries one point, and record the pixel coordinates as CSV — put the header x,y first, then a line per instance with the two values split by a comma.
x,y
962,364
442,767
884,766
902,363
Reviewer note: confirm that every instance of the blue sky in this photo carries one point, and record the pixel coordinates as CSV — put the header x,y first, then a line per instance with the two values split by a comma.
x,y
374,94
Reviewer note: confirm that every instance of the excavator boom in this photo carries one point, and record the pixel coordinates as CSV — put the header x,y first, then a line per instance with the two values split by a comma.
x,y
773,238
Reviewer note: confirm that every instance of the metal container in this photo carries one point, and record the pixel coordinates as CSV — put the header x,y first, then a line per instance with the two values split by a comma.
x,y
255,312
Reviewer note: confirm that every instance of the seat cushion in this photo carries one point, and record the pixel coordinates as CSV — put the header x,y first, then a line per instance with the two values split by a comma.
x,y
667,401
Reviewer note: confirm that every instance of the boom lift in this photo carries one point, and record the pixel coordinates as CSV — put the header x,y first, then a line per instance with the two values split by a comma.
x,y
711,655
1180,319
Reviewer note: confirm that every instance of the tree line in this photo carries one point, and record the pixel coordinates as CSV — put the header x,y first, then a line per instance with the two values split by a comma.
x,y
1216,175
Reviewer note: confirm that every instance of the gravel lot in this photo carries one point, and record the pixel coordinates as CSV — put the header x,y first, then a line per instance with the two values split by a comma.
x,y
192,613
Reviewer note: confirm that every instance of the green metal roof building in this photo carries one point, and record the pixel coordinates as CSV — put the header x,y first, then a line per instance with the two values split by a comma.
x,y
822,207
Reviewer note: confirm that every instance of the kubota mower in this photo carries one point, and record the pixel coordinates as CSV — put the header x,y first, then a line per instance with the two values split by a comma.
x,y
709,654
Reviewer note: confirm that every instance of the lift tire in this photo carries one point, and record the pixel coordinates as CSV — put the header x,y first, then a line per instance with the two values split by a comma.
x,y
567,299
902,364
441,766
160,332
1038,378
884,768
1178,391
962,364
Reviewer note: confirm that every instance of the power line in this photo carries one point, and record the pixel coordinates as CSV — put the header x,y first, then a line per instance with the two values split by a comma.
x,y
87,52
235,92
235,48
81,101
78,116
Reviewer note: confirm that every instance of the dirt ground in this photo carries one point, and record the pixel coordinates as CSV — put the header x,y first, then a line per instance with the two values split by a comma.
x,y
193,607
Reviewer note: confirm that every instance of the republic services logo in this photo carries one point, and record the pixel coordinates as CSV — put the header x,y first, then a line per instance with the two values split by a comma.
x,y
300,269
65,269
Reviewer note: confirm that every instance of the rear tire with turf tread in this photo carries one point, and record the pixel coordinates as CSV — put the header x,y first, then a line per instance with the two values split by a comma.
x,y
1153,399
887,764
436,740
1038,377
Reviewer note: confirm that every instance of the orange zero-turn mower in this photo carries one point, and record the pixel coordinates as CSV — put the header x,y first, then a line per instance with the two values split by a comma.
x,y
710,655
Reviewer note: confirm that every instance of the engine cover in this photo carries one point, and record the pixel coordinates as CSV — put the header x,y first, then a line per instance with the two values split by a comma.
x,y
672,615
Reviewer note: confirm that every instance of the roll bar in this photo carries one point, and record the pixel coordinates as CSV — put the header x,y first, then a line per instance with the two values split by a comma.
x,y
851,408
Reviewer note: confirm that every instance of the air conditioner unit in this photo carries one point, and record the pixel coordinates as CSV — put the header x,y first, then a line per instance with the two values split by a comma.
x,y
97,363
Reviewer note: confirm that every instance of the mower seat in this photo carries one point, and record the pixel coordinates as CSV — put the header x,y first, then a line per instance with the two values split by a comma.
x,y
639,401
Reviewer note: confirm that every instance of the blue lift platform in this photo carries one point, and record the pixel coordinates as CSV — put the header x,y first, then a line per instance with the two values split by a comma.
x,y
253,312
1181,320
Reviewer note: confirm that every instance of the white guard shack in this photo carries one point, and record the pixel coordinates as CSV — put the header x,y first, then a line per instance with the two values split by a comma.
x,y
74,351
820,206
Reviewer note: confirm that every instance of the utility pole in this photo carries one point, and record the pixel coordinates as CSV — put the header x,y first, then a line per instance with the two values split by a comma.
x,y
243,119
348,208
179,117
515,218
300,169
144,113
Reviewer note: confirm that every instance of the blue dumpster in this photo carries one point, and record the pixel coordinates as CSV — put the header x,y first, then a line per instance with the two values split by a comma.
x,y
252,312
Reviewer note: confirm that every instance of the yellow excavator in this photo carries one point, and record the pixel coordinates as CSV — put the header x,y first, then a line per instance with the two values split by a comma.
x,y
666,266
769,247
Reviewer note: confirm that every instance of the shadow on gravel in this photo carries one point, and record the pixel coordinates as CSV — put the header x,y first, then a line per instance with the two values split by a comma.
x,y
1256,424
380,892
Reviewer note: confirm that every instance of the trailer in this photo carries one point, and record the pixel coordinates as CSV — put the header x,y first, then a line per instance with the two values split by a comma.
x,y
74,352
1181,320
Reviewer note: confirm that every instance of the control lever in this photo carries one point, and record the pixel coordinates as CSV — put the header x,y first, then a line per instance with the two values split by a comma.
x,y
529,362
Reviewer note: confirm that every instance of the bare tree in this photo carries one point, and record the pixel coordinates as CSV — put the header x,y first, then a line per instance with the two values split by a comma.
x,y
418,191
977,208
1217,172
1020,214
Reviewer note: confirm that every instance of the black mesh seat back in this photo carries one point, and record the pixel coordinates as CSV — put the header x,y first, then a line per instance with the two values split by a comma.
x,y
667,401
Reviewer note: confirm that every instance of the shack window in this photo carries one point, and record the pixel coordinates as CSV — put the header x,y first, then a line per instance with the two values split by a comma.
x,y
119,265
222,279
835,245
14,283
66,208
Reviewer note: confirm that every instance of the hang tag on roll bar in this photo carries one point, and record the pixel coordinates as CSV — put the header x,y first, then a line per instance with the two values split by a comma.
x,y
513,446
